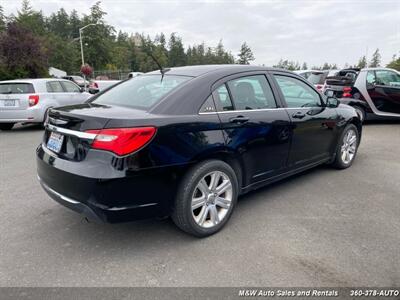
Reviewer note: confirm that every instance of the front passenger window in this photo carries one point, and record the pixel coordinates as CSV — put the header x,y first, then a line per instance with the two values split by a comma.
x,y
297,93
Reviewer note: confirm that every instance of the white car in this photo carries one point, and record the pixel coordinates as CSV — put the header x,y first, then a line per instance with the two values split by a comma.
x,y
134,74
27,100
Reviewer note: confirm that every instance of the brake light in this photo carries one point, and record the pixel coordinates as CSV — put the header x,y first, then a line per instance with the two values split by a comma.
x,y
122,141
319,87
347,92
33,100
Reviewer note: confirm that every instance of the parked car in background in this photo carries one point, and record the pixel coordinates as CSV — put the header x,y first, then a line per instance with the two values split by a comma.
x,y
78,80
96,86
341,81
188,142
27,100
134,74
316,77
375,92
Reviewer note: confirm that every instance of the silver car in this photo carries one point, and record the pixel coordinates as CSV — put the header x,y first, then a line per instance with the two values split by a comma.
x,y
27,100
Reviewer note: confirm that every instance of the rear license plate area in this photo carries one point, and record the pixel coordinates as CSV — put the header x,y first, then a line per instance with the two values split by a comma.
x,y
55,142
9,103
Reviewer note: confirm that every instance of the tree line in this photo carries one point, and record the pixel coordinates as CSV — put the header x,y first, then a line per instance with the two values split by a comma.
x,y
374,62
31,42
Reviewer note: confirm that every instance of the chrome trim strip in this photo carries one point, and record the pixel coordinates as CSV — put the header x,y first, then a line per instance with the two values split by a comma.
x,y
241,111
79,134
50,190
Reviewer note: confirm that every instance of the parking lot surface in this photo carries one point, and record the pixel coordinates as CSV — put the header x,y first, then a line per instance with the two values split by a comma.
x,y
321,228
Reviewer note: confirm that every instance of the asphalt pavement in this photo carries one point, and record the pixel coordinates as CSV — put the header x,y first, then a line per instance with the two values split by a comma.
x,y
324,227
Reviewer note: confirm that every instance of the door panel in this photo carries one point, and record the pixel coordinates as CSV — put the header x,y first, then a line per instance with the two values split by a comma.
x,y
253,126
313,124
383,87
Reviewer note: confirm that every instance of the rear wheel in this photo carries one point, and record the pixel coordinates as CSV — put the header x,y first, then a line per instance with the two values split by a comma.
x,y
206,198
347,147
6,126
360,112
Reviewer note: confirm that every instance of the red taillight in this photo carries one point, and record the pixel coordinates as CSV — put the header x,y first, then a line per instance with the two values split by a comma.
x,y
33,100
319,87
347,92
122,141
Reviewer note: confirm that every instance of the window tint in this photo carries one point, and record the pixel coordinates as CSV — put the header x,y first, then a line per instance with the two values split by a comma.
x,y
16,88
208,105
385,77
297,93
70,87
142,91
222,98
251,92
54,87
371,77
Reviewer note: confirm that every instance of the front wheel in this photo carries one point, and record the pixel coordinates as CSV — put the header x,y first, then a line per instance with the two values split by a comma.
x,y
6,126
206,198
347,147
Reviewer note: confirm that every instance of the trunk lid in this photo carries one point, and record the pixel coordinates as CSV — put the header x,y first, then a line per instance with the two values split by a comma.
x,y
70,123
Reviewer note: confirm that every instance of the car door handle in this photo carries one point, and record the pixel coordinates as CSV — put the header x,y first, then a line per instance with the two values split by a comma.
x,y
239,120
299,115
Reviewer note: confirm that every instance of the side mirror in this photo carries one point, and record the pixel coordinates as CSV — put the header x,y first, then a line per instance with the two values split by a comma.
x,y
331,100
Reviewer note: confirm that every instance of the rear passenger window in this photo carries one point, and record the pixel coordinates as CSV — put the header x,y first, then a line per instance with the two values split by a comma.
x,y
70,87
222,98
54,87
251,92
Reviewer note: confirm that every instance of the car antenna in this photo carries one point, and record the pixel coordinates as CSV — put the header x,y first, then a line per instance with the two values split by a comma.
x,y
162,70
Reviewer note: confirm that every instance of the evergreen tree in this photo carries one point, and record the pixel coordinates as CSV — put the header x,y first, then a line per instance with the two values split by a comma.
x,y
362,62
245,55
375,60
395,63
304,66
176,53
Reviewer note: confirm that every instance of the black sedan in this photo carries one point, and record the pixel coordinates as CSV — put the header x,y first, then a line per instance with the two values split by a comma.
x,y
186,142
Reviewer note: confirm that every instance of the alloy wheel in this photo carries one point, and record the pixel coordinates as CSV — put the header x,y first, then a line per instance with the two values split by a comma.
x,y
349,146
212,199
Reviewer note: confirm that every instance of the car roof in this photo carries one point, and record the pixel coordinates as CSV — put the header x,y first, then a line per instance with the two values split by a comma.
x,y
379,68
200,70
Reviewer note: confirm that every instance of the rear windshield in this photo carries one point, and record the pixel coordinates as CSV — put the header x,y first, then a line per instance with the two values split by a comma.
x,y
141,92
317,77
16,88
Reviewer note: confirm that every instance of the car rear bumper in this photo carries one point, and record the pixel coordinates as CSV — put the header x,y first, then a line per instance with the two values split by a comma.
x,y
111,198
34,115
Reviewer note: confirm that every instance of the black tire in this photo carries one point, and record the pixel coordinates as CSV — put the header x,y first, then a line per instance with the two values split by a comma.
x,y
6,126
360,112
339,162
182,214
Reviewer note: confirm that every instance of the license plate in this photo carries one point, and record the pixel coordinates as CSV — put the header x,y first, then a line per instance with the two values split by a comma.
x,y
8,103
55,142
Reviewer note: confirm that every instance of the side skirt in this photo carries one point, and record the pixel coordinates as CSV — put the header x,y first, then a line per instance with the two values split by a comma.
x,y
281,176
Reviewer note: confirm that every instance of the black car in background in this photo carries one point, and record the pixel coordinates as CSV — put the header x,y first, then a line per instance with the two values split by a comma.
x,y
186,142
373,92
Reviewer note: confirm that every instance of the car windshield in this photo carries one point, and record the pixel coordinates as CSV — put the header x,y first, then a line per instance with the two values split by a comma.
x,y
317,77
141,92
77,77
16,88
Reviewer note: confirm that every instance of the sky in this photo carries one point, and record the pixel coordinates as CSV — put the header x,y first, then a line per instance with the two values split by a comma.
x,y
312,31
